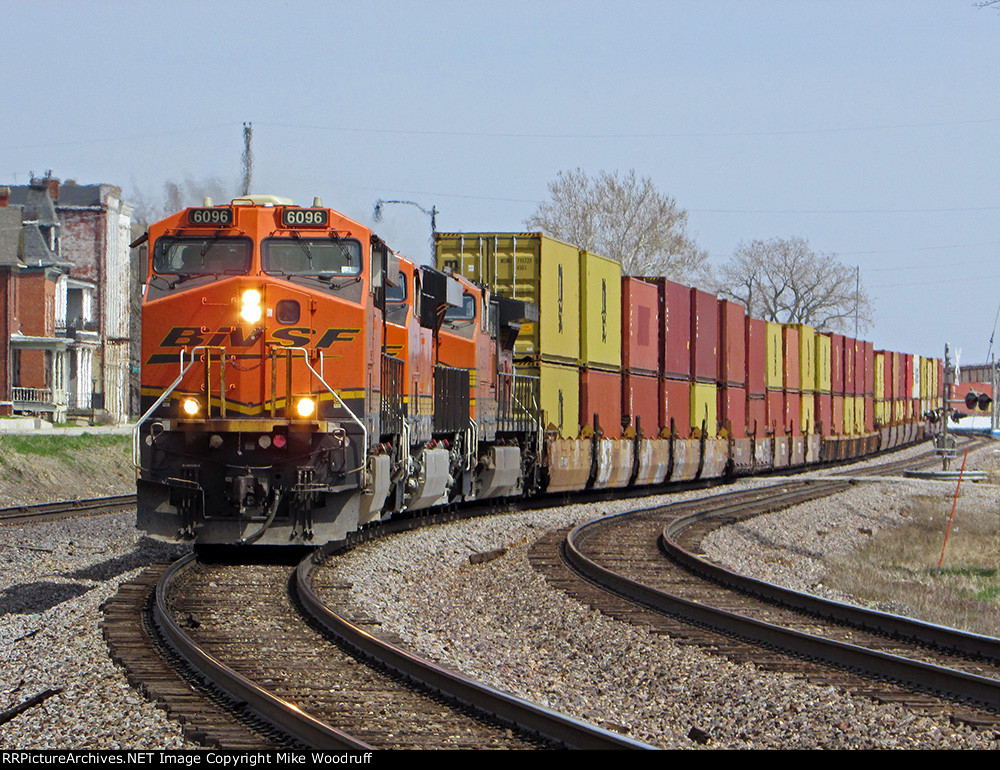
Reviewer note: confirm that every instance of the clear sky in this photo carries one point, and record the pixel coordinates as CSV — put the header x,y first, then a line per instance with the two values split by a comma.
x,y
868,128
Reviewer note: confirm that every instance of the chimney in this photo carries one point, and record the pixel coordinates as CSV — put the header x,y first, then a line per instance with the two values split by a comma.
x,y
4,196
53,184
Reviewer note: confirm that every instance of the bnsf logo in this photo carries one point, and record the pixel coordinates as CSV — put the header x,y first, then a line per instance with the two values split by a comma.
x,y
233,336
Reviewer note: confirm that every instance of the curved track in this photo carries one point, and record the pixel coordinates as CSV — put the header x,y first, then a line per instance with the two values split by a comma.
x,y
709,605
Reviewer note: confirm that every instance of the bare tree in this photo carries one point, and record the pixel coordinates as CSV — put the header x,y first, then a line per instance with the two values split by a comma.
x,y
625,218
785,281
178,195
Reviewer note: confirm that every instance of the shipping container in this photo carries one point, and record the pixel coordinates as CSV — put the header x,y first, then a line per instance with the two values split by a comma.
x,y
849,361
879,375
859,367
859,415
704,336
897,375
793,413
600,312
601,396
704,408
807,357
869,407
675,404
775,357
837,364
824,413
733,410
883,412
868,352
675,326
908,376
792,372
640,401
732,344
807,414
837,427
558,396
640,327
756,356
776,412
757,416
530,267
848,415
824,378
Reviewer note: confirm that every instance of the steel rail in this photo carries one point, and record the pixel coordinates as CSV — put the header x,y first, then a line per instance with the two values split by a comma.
x,y
284,716
926,676
527,716
65,507
942,637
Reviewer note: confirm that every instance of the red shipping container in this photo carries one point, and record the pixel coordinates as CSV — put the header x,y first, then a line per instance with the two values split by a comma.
x,y
837,364
837,427
890,384
732,343
757,416
908,375
824,413
849,362
704,336
793,412
792,377
776,411
675,403
640,400
859,367
897,373
640,326
601,394
869,358
733,410
756,357
675,328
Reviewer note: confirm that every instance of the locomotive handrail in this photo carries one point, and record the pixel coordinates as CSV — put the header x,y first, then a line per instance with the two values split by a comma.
x,y
160,400
364,430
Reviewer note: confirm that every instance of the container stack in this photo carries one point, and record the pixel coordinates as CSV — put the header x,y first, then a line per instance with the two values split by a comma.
x,y
641,354
869,386
704,362
775,379
600,344
675,339
792,381
837,384
732,374
823,384
859,387
757,369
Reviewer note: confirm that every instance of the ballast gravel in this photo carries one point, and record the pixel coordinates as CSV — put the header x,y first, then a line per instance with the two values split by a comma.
x,y
502,622
498,620
54,578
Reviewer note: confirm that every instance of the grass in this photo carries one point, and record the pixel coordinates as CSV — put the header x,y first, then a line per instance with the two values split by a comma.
x,y
898,569
66,448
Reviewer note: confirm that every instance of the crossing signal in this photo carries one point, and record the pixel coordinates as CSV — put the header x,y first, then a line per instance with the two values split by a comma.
x,y
975,400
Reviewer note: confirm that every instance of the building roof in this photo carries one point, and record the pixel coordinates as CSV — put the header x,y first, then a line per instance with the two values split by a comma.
x,y
73,194
37,203
10,235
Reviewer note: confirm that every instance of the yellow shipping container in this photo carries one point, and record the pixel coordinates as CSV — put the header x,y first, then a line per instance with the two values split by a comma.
x,y
879,376
600,312
531,267
859,415
558,396
807,414
775,358
807,357
849,422
704,407
824,355
883,411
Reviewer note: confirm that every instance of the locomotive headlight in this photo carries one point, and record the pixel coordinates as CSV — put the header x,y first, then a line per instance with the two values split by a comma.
x,y
250,310
190,406
305,407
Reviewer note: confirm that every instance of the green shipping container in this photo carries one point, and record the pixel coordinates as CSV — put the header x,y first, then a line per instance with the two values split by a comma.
x,y
600,312
530,267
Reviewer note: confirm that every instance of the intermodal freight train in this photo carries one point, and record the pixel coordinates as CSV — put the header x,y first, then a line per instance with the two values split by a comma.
x,y
300,380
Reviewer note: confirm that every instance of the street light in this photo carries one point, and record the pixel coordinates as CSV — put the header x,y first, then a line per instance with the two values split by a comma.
x,y
377,216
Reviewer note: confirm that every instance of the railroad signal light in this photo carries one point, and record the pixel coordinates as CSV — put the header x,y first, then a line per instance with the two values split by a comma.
x,y
971,400
984,402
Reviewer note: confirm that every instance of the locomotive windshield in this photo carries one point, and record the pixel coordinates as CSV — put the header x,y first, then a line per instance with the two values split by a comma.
x,y
202,256
311,256
467,311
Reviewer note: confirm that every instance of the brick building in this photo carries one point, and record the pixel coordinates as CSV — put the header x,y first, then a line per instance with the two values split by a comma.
x,y
64,287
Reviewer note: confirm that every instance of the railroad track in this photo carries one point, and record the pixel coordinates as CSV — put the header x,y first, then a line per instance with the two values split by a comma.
x,y
243,629
94,506
931,669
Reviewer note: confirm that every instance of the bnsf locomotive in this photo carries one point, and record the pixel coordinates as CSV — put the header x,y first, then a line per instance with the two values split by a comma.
x,y
300,380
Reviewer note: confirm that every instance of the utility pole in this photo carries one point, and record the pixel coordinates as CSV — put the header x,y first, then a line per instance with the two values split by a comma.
x,y
945,448
247,158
